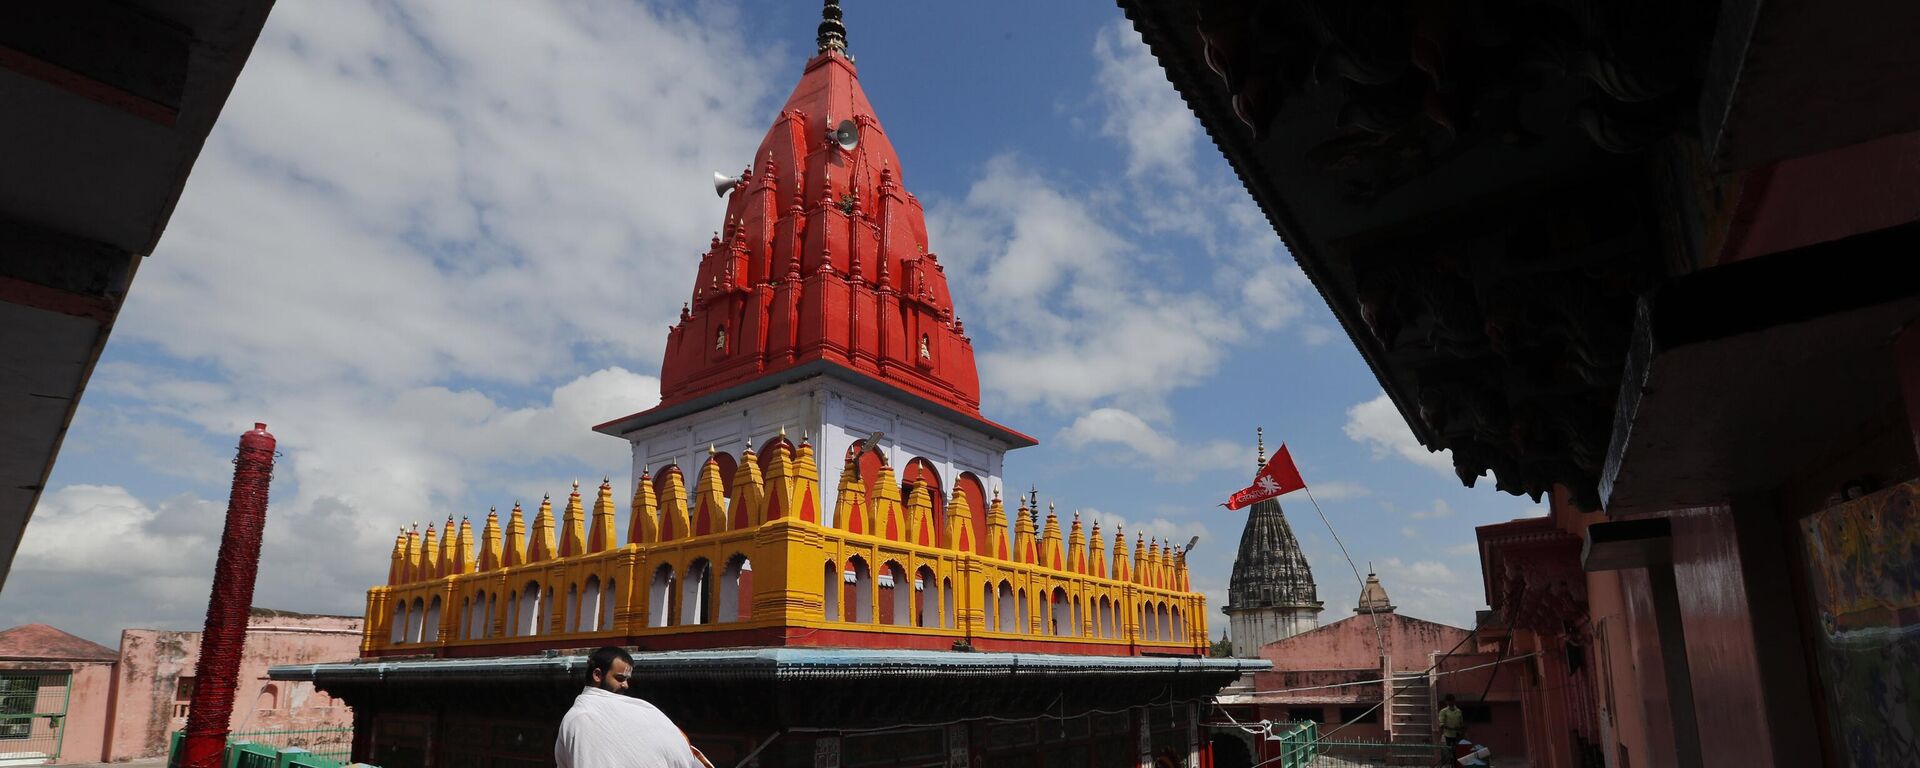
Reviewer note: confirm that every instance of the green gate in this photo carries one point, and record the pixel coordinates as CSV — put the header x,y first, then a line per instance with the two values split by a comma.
x,y
33,713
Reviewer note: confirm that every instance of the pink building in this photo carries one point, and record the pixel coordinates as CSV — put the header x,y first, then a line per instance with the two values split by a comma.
x,y
1378,676
64,699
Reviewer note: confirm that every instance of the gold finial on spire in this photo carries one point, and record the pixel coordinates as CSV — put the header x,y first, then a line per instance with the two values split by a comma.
x,y
1260,449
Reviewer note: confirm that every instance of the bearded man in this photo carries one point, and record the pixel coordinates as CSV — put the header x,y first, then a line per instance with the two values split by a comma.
x,y
610,728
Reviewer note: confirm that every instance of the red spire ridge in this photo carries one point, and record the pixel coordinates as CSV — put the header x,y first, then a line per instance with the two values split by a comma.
x,y
846,282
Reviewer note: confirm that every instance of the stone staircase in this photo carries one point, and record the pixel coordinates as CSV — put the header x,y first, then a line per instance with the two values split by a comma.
x,y
1410,717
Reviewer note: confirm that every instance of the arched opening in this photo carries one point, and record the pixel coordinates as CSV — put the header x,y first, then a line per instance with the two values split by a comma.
x,y
430,626
660,596
1007,608
1147,624
899,594
1062,614
397,632
607,603
989,619
736,589
1024,623
529,610
1079,620
970,486
830,588
926,591
1179,627
923,471
460,619
572,607
946,602
588,609
1166,624
694,592
270,697
486,620
859,591
1106,619
512,619
414,615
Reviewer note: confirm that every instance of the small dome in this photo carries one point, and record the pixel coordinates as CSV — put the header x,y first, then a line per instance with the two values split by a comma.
x,y
1373,597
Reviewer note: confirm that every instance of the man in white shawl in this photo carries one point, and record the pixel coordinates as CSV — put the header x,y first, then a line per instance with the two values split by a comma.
x,y
606,728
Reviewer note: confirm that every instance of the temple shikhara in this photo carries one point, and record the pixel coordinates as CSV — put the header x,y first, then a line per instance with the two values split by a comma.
x,y
818,549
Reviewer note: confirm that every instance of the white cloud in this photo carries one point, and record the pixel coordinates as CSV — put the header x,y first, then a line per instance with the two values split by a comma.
x,y
1440,509
1143,111
1137,443
431,273
1377,425
1340,490
1409,532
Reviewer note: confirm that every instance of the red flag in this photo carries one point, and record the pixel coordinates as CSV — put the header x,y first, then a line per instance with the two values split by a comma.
x,y
1279,476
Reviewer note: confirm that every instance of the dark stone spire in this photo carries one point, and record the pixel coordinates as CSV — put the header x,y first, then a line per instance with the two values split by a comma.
x,y
833,33
1270,571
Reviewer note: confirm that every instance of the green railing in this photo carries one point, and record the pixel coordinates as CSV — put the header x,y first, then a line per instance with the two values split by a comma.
x,y
299,748
1297,744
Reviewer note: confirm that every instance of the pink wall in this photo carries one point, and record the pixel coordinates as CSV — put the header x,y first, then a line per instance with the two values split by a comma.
x,y
1352,643
145,705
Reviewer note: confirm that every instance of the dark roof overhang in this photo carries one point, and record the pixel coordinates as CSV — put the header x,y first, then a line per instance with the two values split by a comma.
x,y
798,687
1483,193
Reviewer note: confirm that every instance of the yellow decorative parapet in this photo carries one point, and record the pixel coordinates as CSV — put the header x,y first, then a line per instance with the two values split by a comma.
x,y
746,561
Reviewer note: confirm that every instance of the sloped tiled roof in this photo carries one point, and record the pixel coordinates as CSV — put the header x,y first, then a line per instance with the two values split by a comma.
x,y
39,642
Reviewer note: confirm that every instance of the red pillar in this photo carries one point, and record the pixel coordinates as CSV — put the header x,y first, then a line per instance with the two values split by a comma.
x,y
233,576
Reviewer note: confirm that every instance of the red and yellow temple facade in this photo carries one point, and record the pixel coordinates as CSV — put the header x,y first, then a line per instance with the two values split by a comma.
x,y
817,310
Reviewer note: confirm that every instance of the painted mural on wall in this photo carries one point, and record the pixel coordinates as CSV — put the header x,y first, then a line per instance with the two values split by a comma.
x,y
1863,558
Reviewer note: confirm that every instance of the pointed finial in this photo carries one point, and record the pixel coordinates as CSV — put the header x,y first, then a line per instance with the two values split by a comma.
x,y
832,33
996,493
783,430
576,485
711,450
1260,450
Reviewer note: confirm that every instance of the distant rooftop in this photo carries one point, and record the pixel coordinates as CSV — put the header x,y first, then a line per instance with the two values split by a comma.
x,y
39,642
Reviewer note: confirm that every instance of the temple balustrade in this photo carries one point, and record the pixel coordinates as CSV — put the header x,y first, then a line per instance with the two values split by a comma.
x,y
764,577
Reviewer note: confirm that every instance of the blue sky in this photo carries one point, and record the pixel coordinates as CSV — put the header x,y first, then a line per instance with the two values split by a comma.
x,y
432,246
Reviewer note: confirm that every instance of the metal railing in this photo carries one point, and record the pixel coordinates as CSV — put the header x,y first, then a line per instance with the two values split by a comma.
x,y
304,748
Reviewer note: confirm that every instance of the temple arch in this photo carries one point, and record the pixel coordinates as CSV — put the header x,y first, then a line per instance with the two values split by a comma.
x,y
608,600
1024,622
859,591
948,609
589,606
695,592
830,589
572,607
1007,608
486,621
397,631
893,579
546,612
926,591
736,585
969,485
1060,622
1166,626
988,619
660,597
1179,626
430,625
414,615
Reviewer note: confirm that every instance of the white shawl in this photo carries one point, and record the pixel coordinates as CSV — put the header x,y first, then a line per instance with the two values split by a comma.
x,y
611,730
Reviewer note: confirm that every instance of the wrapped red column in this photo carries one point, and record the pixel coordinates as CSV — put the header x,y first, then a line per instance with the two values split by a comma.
x,y
226,632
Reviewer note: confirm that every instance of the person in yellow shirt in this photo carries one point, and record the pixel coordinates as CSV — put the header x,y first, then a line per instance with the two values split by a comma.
x,y
1453,722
